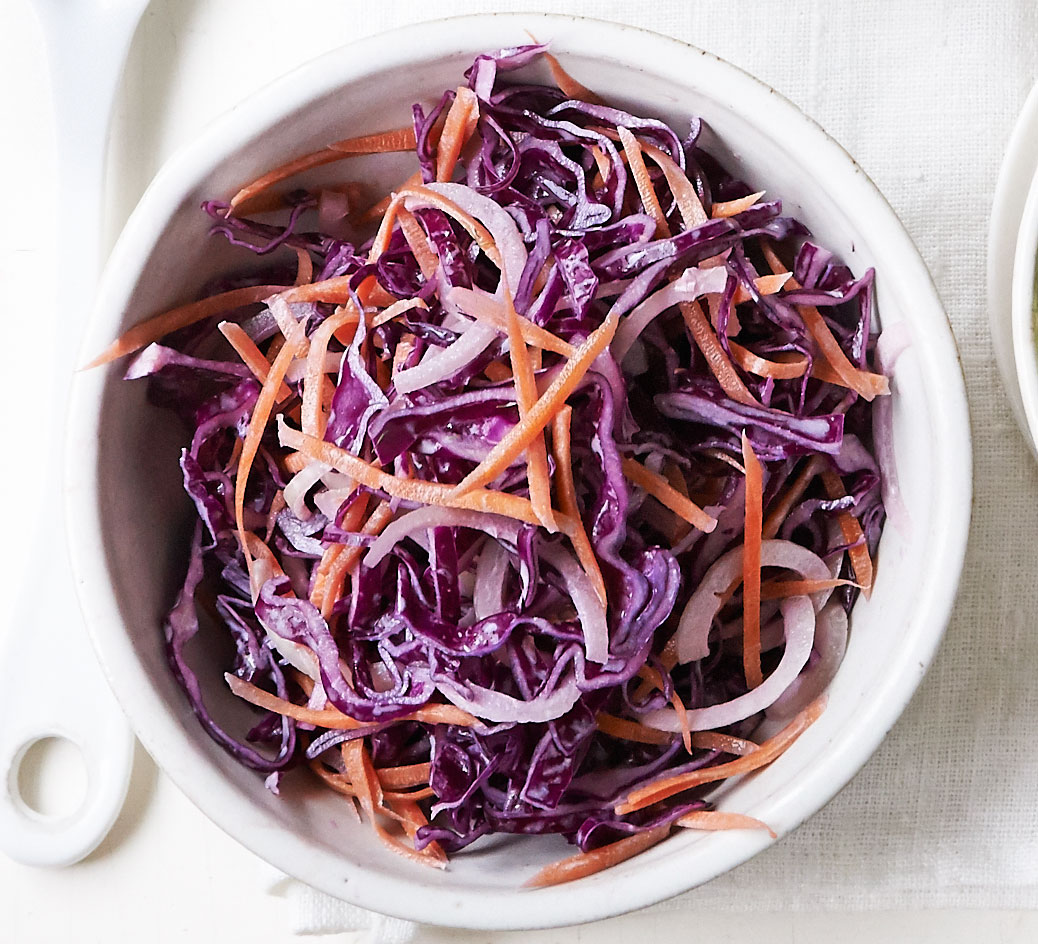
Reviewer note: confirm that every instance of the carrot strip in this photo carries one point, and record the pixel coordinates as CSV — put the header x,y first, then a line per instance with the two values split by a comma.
x,y
689,205
319,596
682,715
459,127
642,181
660,489
765,285
676,480
731,207
158,326
427,260
471,225
400,139
767,752
715,820
293,346
587,863
780,589
346,561
304,267
332,717
425,493
751,565
314,381
525,397
706,340
553,399
631,730
410,775
863,382
729,744
568,85
397,309
488,310
378,210
251,356
858,550
343,786
795,366
497,372
567,493
412,819
782,505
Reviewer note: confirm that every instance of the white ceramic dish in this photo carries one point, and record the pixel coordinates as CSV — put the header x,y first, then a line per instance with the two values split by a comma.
x,y
128,517
1025,341
1014,179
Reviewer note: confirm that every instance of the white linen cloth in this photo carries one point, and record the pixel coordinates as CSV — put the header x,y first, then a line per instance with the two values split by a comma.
x,y
924,95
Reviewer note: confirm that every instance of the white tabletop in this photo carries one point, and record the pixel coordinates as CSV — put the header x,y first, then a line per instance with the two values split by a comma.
x,y
165,872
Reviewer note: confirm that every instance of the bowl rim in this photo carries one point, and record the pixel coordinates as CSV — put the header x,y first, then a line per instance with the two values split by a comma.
x,y
1024,310
161,733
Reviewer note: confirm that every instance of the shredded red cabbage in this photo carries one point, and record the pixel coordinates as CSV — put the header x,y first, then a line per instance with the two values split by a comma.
x,y
476,609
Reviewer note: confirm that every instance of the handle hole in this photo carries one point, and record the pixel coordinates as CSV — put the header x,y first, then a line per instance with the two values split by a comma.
x,y
52,777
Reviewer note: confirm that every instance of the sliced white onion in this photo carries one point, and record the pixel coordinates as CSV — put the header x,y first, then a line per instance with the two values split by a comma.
x,y
831,645
300,483
591,614
433,516
698,615
488,597
330,501
689,285
440,363
297,369
296,655
799,617
497,707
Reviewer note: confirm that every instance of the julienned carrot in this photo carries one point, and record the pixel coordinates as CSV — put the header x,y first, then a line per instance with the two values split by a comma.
x,y
351,521
515,441
346,561
780,589
567,493
854,537
764,284
412,819
314,380
426,197
642,181
587,863
459,127
767,752
383,142
863,382
397,309
418,243
489,310
410,775
783,504
293,347
716,820
706,340
568,85
660,489
425,493
158,326
726,743
332,717
525,397
361,773
631,730
795,366
251,356
689,205
342,785
496,372
304,267
378,209
731,207
751,551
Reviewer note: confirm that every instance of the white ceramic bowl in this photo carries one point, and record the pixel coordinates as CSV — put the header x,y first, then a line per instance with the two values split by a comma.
x,y
129,520
1025,329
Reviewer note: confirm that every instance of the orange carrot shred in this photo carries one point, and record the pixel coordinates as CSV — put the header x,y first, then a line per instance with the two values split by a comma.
x,y
765,285
346,561
489,310
158,326
728,743
712,820
400,139
689,205
397,309
766,753
410,775
251,356
304,267
794,365
314,380
784,503
858,551
526,396
588,863
418,243
471,225
642,181
567,493
515,441
568,85
731,207
497,372
660,489
751,565
866,384
459,127
631,730
779,589
706,340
